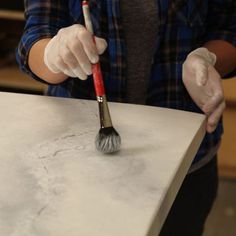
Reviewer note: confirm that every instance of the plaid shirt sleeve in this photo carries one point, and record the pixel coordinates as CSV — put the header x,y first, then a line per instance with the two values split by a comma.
x,y
43,19
221,20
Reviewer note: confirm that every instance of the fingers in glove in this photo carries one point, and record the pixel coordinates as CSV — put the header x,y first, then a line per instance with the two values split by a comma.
x,y
215,81
86,39
68,58
214,118
216,94
76,73
79,72
53,68
80,56
201,70
59,64
69,73
213,103
74,63
50,58
101,45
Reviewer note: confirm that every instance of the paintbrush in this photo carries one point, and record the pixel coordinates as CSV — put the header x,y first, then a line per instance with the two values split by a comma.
x,y
107,140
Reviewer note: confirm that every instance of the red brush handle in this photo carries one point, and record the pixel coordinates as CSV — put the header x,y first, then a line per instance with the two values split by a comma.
x,y
96,68
98,80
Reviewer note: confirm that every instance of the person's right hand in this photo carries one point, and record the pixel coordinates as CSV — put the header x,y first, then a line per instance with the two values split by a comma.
x,y
72,51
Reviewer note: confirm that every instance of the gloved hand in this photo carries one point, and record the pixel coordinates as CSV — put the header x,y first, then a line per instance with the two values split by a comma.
x,y
72,51
204,85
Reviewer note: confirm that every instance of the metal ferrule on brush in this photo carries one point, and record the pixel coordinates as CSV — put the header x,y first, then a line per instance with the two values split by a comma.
x,y
105,118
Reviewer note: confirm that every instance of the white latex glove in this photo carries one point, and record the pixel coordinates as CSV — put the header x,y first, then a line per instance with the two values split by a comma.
x,y
72,51
204,85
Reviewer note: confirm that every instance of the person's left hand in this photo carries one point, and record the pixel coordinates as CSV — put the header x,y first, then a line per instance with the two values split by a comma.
x,y
204,85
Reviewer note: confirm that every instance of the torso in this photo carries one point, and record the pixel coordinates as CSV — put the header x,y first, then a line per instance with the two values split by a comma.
x,y
140,24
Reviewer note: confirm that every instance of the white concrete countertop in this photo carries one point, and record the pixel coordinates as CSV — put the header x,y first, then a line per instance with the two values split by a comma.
x,y
53,182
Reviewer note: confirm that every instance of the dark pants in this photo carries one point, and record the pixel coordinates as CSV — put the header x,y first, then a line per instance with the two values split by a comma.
x,y
193,203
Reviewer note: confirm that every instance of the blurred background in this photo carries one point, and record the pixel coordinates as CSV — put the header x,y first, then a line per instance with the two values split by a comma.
x,y
222,220
11,26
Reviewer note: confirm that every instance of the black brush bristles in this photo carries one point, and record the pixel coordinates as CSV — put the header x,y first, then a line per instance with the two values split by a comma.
x,y
108,140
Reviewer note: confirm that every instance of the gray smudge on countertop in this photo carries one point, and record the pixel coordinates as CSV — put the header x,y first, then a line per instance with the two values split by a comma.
x,y
52,170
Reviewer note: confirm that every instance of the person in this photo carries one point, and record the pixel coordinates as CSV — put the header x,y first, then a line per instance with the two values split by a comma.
x,y
162,53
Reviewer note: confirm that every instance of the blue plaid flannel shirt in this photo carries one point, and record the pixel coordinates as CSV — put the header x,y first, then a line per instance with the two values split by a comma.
x,y
183,27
